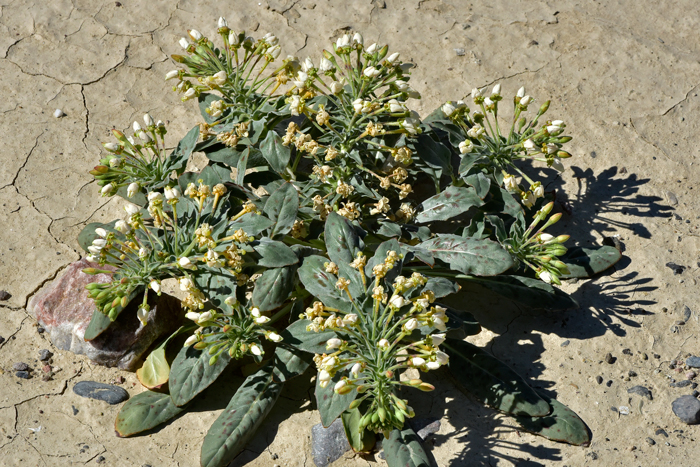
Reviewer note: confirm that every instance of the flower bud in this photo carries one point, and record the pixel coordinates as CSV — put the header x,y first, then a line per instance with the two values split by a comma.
x,y
562,238
372,48
546,277
370,72
274,337
262,320
185,263
525,101
194,34
425,387
383,344
131,209
324,377
142,315
255,350
171,193
107,189
204,317
355,370
233,38
496,90
95,250
148,120
222,22
448,109
336,87
397,301
326,65
192,315
155,286
545,237
544,107
99,242
411,324
437,339
521,93
184,43
101,232
340,385
255,312
333,343
393,58
136,127
357,39
190,340
122,227
111,147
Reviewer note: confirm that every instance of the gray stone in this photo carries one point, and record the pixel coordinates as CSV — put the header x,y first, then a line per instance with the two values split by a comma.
x,y
20,366
565,343
64,310
23,374
609,358
641,391
45,354
686,313
650,441
328,444
693,362
424,427
681,384
102,392
4,295
687,408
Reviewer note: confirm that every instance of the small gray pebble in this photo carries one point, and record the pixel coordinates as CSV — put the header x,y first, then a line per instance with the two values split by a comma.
x,y
599,379
328,444
640,391
657,356
565,343
693,362
661,431
696,393
20,366
672,198
381,455
592,455
45,354
100,459
274,456
2,339
609,383
627,351
23,374
609,358
104,392
686,313
681,384
645,356
687,408
40,330
650,442
4,295
632,373
75,411
460,52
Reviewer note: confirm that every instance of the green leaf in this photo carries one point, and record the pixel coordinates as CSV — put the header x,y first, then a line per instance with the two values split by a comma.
x,y
192,374
380,256
217,283
320,283
290,362
480,182
441,286
586,262
342,239
468,255
145,411
491,381
98,324
468,161
242,165
251,223
225,155
526,290
308,341
240,419
273,288
362,441
155,370
205,100
389,229
281,207
177,160
404,449
275,254
452,202
434,154
330,404
275,152
561,425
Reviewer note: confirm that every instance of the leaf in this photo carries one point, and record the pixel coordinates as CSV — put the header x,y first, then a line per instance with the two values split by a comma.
x,y
330,404
290,363
308,341
404,449
450,203
145,411
480,182
205,100
177,160
586,262
468,161
528,291
192,374
275,152
251,223
441,286
359,441
98,324
275,254
240,419
320,283
241,166
273,288
342,239
225,155
434,154
217,283
468,255
380,256
561,425
491,381
155,370
389,229
281,207
87,235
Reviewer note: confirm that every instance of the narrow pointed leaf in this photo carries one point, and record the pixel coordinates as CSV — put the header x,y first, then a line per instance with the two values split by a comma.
x,y
331,405
491,381
192,374
450,203
281,207
273,287
561,425
586,262
275,152
145,411
404,449
240,419
98,324
309,341
468,255
241,166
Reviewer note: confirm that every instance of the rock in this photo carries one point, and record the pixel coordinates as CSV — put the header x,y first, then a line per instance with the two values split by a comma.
x,y
58,113
460,52
565,343
102,392
681,384
672,198
75,410
690,374
650,441
20,366
686,313
592,455
661,431
624,410
2,339
640,391
328,444
627,351
676,268
23,374
693,362
4,295
609,358
100,459
632,373
64,310
425,427
687,408
599,379
45,354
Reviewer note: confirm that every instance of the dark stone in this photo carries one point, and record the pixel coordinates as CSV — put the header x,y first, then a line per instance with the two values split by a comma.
x,y
696,393
609,383
565,343
20,366
640,391
4,295
650,441
676,268
23,374
632,373
609,358
100,459
687,408
592,455
693,362
599,379
40,330
687,313
661,431
75,410
2,339
657,356
100,391
45,354
681,384
329,444
627,351
424,427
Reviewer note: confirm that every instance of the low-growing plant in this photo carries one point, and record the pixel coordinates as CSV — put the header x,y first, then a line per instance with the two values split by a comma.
x,y
327,225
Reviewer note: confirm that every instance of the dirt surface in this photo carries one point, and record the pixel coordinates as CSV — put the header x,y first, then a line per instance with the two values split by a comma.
x,y
623,75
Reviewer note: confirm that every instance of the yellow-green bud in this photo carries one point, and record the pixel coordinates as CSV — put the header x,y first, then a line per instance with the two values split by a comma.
x,y
544,107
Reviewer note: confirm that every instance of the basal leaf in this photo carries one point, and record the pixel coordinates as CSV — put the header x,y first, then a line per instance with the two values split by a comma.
x,y
177,160
217,283
98,324
441,286
320,283
155,369
205,99
281,207
404,449
273,287
290,362
480,182
468,255
275,152
145,411
586,262
241,166
275,254
561,425
452,202
192,374
434,154
343,241
309,341
251,223
360,441
330,404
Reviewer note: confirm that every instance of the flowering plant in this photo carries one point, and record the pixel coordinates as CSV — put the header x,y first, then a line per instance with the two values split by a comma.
x,y
328,222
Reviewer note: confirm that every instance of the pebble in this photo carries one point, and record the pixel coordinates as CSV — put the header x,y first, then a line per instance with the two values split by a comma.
x,y
20,366
592,455
609,383
23,374
690,374
650,441
645,356
693,362
681,384
58,113
687,408
460,52
661,431
609,358
676,268
45,354
687,313
2,339
627,351
4,295
565,343
425,427
632,373
100,459
641,391
672,198
599,379
104,392
75,410
624,410
329,444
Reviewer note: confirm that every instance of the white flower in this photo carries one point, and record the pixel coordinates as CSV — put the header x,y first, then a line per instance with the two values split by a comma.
x,y
370,72
155,196
101,232
343,41
432,365
545,237
326,65
372,48
410,125
145,137
558,122
131,140
509,183
99,242
417,361
439,322
350,319
233,38
190,340
546,276
131,209
552,148
107,189
255,350
323,377
528,199
438,339
401,85
222,22
171,193
307,65
333,343
340,385
396,106
476,92
530,146
185,284
184,43
155,286
521,93
255,312
185,263
194,34
143,253
111,147
488,102
411,324
160,124
262,320
496,89
357,39
397,301
204,317
192,315
465,146
271,39
219,78
357,104
393,59
274,337
448,109
95,250
538,191
189,94
148,120
295,105
556,163
553,129
476,131
441,357
383,344
275,52
122,226
336,87
525,101
142,315
355,370
136,127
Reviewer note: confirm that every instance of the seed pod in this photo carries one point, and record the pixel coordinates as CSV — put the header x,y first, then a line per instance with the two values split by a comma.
x,y
375,418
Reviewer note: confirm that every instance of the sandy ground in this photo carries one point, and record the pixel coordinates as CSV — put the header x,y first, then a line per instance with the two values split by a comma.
x,y
622,74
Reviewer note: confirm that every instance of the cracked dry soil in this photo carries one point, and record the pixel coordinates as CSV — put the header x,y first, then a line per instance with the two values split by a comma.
x,y
627,88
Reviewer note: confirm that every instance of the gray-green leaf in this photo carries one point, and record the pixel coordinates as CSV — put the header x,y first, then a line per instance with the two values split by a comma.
x,y
273,287
275,254
308,341
561,425
330,404
191,373
275,152
450,203
404,449
144,412
281,207
468,255
342,239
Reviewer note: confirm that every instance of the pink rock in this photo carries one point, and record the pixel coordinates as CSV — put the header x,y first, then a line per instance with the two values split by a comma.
x,y
64,310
